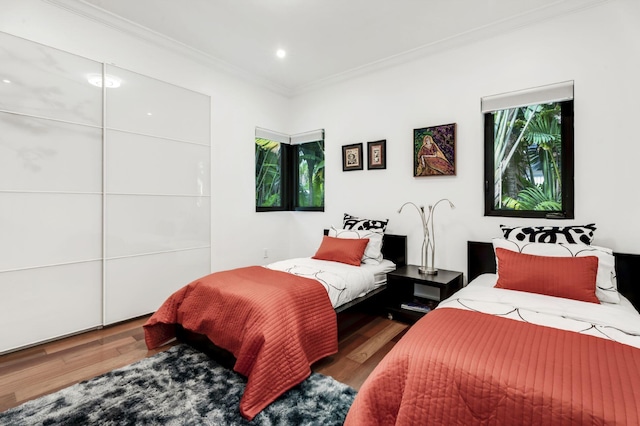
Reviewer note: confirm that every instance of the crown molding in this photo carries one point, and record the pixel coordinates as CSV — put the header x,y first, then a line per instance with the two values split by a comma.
x,y
554,10
132,29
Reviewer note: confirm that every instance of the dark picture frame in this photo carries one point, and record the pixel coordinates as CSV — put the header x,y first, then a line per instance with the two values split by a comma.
x,y
434,151
352,157
377,155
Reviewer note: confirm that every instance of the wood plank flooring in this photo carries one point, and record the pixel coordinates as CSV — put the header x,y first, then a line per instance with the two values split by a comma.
x,y
363,341
30,373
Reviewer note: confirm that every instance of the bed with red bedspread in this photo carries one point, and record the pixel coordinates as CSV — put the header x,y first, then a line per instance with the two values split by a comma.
x,y
494,356
275,324
270,325
464,367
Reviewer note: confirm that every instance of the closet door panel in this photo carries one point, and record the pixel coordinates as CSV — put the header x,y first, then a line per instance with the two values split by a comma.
x,y
85,193
157,221
149,165
40,229
153,107
139,285
149,224
46,155
44,303
47,82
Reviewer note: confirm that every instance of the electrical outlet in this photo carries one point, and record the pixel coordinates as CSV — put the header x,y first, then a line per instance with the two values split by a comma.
x,y
266,253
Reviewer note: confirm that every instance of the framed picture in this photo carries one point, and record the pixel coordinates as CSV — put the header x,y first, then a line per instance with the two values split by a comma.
x,y
434,150
352,157
377,155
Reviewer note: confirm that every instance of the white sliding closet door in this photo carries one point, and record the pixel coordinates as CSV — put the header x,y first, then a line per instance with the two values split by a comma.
x,y
50,194
103,213
157,214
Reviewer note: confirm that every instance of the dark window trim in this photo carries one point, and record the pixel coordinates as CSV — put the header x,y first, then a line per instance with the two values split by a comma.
x,y
285,181
294,154
288,182
567,170
308,209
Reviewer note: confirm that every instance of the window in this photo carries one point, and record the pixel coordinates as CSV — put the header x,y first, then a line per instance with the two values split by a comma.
x,y
529,153
289,171
310,175
268,174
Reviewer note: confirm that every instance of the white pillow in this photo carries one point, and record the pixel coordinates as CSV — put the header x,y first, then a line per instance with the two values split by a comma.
x,y
606,285
373,251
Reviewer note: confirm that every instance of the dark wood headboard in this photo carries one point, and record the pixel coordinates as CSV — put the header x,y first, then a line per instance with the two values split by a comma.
x,y
394,248
481,260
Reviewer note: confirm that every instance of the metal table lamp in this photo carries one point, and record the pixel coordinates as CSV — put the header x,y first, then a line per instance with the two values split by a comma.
x,y
428,240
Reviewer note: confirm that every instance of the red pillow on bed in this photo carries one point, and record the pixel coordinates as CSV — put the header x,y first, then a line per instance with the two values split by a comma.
x,y
568,277
342,250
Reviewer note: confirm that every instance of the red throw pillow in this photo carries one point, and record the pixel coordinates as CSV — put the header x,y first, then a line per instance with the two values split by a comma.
x,y
568,277
344,250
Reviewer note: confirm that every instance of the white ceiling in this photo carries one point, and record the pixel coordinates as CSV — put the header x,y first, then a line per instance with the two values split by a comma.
x,y
325,40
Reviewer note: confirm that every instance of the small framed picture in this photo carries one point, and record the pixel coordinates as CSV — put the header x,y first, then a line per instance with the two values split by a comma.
x,y
377,155
352,157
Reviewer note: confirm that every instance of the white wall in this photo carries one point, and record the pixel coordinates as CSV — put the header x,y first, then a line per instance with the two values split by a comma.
x,y
599,48
238,233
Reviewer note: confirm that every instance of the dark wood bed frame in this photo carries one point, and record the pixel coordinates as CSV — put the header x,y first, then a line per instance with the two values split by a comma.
x,y
394,248
481,260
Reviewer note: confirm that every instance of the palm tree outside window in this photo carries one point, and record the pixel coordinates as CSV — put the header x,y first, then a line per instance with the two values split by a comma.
x,y
529,157
289,171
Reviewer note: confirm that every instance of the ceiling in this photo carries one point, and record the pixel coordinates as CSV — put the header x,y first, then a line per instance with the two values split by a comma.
x,y
325,40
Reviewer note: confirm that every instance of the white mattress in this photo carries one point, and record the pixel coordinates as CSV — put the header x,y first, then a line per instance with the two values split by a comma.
x,y
343,282
615,321
380,271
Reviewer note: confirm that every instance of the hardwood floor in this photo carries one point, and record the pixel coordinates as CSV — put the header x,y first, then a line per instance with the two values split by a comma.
x,y
49,367
24,375
363,341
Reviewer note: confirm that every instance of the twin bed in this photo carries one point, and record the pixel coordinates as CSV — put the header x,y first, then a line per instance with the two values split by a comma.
x,y
272,323
496,356
486,355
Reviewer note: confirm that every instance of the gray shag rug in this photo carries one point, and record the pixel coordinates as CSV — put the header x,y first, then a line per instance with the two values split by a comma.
x,y
180,387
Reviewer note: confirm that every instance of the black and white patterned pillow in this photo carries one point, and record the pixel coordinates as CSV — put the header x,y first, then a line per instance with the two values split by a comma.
x,y
359,224
576,234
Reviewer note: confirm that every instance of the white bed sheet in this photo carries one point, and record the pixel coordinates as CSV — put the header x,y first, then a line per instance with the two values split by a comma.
x,y
618,322
343,282
380,272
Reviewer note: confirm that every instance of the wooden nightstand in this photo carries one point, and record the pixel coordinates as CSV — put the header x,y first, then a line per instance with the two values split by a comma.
x,y
400,284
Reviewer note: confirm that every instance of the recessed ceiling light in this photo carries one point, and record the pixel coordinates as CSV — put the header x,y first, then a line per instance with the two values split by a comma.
x,y
110,81
6,81
149,113
281,53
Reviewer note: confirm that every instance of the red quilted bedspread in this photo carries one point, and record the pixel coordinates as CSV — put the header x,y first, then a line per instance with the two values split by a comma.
x,y
464,367
276,325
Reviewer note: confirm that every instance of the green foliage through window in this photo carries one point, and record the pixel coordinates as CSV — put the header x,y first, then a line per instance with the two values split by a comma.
x,y
311,174
268,167
289,177
529,161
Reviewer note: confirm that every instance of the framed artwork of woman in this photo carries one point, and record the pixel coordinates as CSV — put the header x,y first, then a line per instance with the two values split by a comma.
x,y
435,151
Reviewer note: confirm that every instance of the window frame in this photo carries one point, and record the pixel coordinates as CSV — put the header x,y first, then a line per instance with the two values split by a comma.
x,y
289,179
567,169
296,181
285,185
